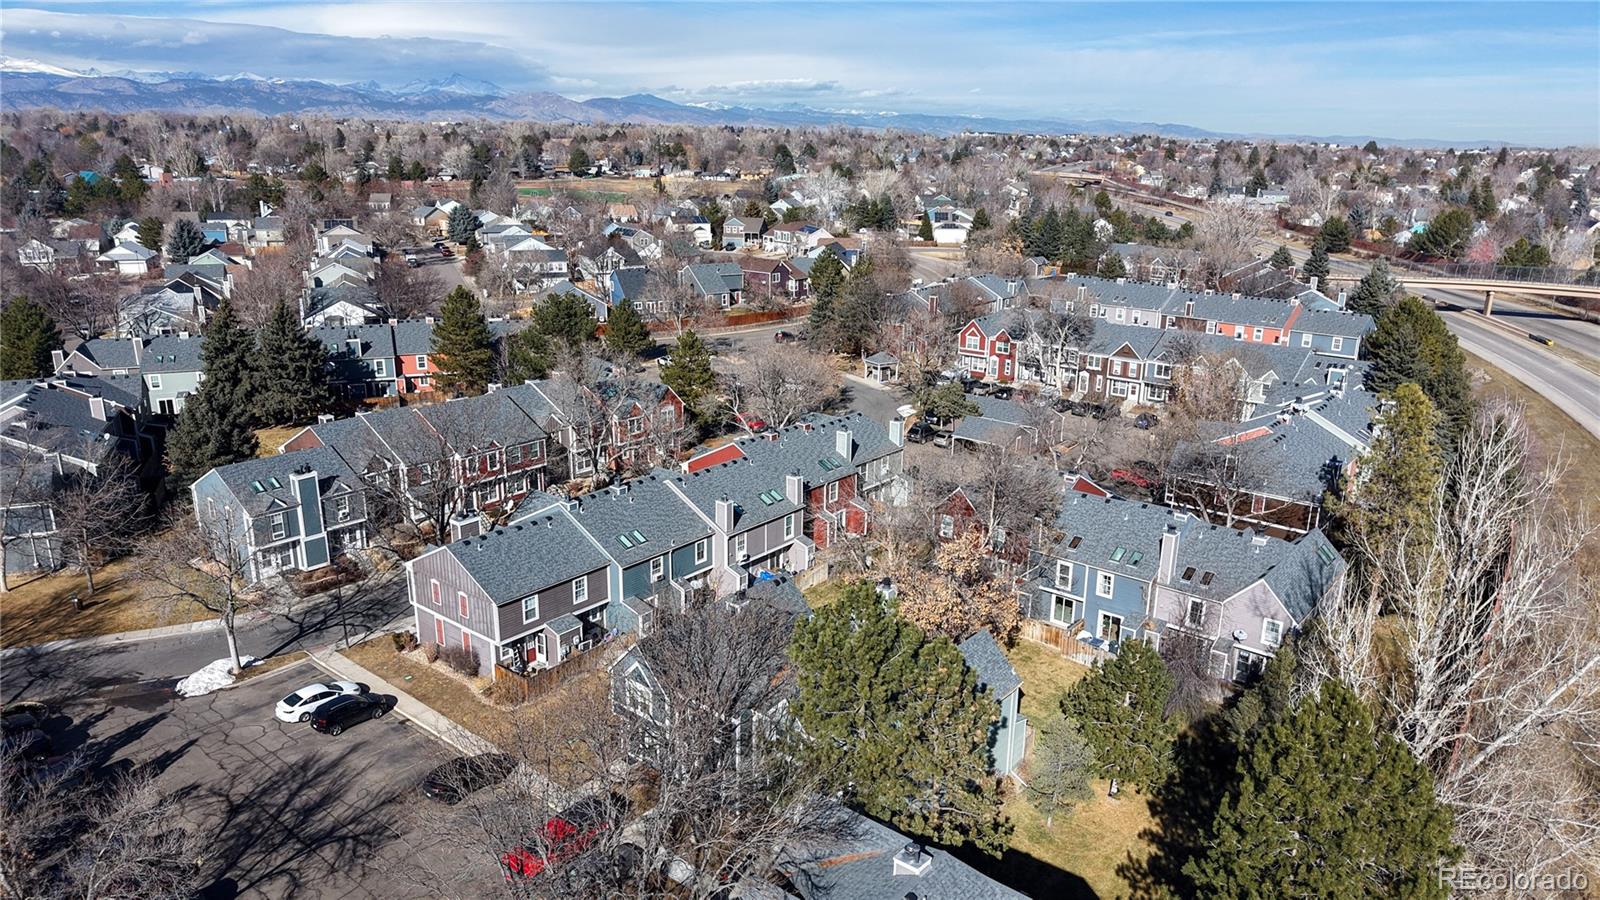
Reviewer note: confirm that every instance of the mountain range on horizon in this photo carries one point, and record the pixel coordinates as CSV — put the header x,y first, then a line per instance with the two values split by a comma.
x,y
30,84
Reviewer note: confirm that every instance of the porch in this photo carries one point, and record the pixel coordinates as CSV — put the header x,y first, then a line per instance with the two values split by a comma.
x,y
561,639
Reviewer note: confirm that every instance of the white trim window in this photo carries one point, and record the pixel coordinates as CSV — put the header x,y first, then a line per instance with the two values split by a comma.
x,y
1257,335
463,605
947,526
155,382
788,526
493,460
1337,345
658,569
580,590
1064,574
1305,340
1195,615
280,526
702,550
341,509
833,492
1271,632
422,362
530,608
973,341
1103,583
380,368
741,546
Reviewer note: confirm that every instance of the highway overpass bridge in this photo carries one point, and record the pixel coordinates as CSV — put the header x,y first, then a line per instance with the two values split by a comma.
x,y
1488,286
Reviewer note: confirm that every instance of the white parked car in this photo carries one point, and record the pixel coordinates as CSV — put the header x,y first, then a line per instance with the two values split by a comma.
x,y
298,706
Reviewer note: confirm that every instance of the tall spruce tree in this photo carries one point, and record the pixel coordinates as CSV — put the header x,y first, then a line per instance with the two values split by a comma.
x,y
925,228
689,373
27,335
1376,290
896,717
186,242
1112,266
1335,233
626,333
1121,707
980,219
1280,259
1325,805
566,318
1317,265
1410,343
827,283
297,388
150,232
463,345
1385,506
528,356
228,361
462,225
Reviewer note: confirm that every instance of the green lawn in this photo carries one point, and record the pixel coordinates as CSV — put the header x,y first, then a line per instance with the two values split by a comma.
x,y
608,196
826,593
1081,851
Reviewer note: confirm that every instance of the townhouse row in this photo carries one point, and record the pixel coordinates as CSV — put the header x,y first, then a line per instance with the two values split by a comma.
x,y
563,574
442,466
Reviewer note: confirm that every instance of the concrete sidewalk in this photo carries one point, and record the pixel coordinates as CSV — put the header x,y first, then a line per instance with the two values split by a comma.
x,y
344,668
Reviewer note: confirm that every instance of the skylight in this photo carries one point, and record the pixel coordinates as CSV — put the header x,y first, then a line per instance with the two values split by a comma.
x,y
1073,544
256,486
624,541
1325,553
1118,554
828,465
1188,574
1133,558
1206,578
638,538
273,481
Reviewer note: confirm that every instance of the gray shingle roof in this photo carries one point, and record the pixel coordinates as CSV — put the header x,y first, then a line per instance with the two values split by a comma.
x,y
988,662
528,555
1103,525
646,506
1332,322
861,867
241,478
1297,572
108,353
171,353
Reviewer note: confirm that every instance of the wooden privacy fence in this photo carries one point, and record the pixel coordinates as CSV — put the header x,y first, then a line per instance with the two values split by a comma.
x,y
1063,641
522,688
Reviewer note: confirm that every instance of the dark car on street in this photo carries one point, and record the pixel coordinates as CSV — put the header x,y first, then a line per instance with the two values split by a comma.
x,y
453,781
334,716
921,433
783,337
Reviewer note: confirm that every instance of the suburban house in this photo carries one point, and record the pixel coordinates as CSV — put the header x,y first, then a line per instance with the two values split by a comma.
x,y
131,259
739,232
167,365
985,348
695,226
660,550
52,430
341,304
973,294
290,512
1124,570
608,421
45,255
722,282
778,278
793,238
434,217
1336,333
526,595
183,303
361,358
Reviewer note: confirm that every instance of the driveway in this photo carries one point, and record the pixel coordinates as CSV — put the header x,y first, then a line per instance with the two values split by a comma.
x,y
289,812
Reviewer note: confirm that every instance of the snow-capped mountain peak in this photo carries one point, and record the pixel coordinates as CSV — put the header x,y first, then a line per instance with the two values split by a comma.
x,y
16,64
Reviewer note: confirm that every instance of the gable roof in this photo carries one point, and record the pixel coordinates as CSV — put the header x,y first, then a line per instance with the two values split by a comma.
x,y
537,551
273,476
988,662
616,517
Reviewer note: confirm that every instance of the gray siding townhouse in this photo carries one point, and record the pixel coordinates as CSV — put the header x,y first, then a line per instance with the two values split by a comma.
x,y
362,359
167,365
527,595
722,282
1336,333
290,512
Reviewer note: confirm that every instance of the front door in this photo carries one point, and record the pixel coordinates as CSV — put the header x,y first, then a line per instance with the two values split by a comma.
x,y
538,650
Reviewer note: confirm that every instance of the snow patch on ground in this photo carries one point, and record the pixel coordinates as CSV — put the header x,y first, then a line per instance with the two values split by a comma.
x,y
214,676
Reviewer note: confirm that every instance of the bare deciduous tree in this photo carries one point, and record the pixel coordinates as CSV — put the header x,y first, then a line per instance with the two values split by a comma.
x,y
201,559
95,513
779,384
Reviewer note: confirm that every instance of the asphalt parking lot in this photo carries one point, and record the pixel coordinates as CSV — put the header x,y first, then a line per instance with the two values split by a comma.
x,y
289,812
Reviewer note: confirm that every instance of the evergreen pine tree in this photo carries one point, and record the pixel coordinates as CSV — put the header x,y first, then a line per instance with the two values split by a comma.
x,y
208,434
1335,234
827,283
27,335
689,372
1326,805
566,318
1258,183
528,356
1280,259
463,345
150,233
626,333
1121,707
1410,343
1112,266
462,225
896,718
186,242
1386,504
1376,290
925,228
980,219
1486,205
1317,265
228,361
1216,186
1062,767
297,388
1446,236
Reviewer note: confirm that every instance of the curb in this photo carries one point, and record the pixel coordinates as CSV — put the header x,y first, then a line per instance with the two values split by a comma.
x,y
143,634
435,723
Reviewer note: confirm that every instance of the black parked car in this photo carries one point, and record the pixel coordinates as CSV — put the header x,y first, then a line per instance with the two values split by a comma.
x,y
334,716
921,433
453,781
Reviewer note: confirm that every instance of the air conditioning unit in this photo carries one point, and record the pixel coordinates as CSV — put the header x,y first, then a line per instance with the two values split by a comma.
x,y
1240,634
744,556
585,645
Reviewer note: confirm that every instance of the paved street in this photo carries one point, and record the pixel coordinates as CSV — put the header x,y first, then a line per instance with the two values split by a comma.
x,y
288,812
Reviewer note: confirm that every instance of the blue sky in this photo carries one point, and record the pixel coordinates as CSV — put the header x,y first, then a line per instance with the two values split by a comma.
x,y
1522,72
